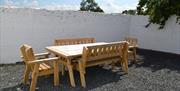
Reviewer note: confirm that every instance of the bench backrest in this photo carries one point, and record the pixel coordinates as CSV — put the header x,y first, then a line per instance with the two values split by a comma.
x,y
105,51
74,41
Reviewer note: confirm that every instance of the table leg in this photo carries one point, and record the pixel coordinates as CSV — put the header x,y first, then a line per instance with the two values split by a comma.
x,y
56,73
71,74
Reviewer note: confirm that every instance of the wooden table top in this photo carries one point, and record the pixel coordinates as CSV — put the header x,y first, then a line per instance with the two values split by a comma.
x,y
70,51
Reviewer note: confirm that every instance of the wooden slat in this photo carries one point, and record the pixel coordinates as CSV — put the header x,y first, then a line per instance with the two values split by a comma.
x,y
44,66
104,51
74,41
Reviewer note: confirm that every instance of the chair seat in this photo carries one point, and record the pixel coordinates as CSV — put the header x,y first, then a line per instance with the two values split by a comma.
x,y
44,66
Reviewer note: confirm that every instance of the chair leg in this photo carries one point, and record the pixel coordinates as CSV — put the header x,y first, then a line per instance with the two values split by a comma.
x,y
56,73
81,71
71,74
26,74
63,70
34,77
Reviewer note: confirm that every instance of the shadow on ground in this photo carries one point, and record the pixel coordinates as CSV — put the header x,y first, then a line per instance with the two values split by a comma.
x,y
95,77
158,60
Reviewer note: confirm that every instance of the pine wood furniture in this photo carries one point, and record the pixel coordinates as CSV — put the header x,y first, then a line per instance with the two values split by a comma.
x,y
69,53
102,51
39,65
72,41
102,54
133,45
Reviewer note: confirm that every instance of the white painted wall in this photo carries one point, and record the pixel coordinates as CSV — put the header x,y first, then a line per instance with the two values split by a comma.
x,y
39,28
166,40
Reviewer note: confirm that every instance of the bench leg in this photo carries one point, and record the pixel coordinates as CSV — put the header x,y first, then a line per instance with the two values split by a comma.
x,y
81,71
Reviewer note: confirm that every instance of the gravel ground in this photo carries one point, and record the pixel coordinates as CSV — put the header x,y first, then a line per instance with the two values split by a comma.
x,y
155,71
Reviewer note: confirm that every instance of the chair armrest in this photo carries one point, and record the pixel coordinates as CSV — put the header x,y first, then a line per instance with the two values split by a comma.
x,y
43,60
42,54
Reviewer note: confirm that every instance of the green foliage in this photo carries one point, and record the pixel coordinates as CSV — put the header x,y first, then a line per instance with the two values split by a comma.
x,y
90,5
130,12
159,10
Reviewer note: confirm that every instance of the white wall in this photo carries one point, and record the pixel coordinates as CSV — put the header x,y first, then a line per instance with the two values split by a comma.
x,y
166,40
39,28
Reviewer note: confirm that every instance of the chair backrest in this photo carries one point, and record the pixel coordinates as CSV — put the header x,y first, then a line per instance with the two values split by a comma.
x,y
74,41
105,51
132,41
23,49
27,54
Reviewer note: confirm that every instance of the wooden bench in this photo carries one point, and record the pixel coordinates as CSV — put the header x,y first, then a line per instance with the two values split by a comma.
x,y
101,54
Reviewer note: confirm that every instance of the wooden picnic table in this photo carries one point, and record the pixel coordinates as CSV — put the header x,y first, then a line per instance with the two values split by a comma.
x,y
70,52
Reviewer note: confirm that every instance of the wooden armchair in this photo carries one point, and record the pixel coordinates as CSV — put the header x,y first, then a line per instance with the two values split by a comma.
x,y
38,66
72,41
133,45
101,54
